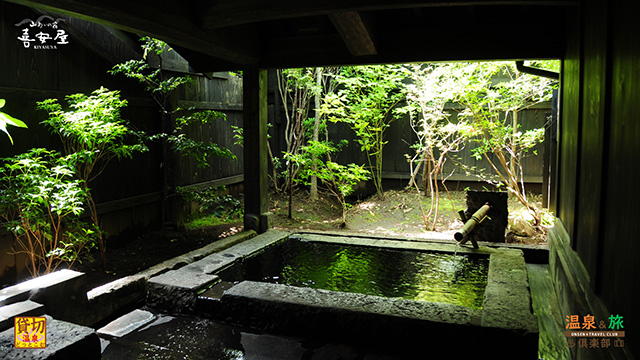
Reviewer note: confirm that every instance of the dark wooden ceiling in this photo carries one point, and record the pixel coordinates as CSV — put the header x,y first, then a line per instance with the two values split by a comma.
x,y
232,34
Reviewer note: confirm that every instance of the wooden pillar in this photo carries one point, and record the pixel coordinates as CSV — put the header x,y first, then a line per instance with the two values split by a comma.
x,y
255,149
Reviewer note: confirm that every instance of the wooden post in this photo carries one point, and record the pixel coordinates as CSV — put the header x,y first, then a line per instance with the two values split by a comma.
x,y
255,149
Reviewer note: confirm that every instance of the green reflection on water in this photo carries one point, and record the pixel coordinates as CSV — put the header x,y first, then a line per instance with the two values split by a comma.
x,y
433,277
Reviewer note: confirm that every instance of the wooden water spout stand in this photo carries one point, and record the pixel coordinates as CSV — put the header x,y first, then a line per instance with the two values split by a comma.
x,y
477,218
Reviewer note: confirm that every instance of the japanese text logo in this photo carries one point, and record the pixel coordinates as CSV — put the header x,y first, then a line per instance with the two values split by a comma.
x,y
30,332
42,34
590,333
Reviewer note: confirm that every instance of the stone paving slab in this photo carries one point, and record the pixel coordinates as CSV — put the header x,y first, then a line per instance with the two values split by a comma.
x,y
507,301
195,255
64,341
63,293
218,261
211,263
23,290
183,279
23,308
177,290
127,323
106,300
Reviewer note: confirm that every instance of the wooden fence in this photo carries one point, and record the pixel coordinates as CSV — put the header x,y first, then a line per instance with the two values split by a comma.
x,y
461,167
400,137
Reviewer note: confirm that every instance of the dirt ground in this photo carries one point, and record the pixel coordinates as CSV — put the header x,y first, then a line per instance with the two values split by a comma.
x,y
397,214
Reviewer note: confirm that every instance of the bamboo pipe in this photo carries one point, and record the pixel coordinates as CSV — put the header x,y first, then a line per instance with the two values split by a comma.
x,y
475,219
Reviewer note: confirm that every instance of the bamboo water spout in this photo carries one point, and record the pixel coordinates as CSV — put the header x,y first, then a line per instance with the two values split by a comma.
x,y
477,218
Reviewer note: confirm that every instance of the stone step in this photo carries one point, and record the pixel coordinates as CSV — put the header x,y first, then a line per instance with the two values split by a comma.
x,y
217,290
207,303
127,323
62,278
64,340
23,308
176,291
62,292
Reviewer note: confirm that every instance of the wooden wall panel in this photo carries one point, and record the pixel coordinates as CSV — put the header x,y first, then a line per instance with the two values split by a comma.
x,y
618,275
569,126
220,94
597,196
593,131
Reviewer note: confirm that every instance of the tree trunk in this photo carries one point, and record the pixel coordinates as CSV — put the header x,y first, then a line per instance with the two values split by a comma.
x,y
313,191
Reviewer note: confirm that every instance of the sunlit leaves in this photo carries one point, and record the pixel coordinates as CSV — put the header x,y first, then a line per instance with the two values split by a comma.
x,y
339,179
6,119
40,201
365,101
92,130
154,79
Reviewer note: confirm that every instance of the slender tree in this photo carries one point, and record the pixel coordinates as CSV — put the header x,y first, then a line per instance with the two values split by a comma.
x,y
430,89
492,95
365,100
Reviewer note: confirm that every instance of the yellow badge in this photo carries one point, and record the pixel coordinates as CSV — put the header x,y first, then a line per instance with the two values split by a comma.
x,y
30,332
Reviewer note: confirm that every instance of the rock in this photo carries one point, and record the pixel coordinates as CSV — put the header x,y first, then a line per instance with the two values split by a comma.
x,y
521,227
64,341
127,323
176,290
23,308
63,293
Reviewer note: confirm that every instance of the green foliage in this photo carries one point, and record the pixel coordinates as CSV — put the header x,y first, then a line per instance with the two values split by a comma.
x,y
41,202
92,130
365,100
492,95
214,201
154,79
238,135
308,125
93,133
339,179
488,104
431,88
296,87
161,87
199,151
6,119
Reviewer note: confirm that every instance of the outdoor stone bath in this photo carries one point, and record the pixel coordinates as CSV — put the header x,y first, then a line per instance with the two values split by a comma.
x,y
250,317
504,321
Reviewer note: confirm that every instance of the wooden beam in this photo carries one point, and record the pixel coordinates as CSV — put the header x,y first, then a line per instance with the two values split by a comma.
x,y
209,105
231,180
354,32
225,13
109,43
166,20
394,46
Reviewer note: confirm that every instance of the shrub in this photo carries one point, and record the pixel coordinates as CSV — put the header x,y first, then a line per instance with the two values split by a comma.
x,y
41,202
